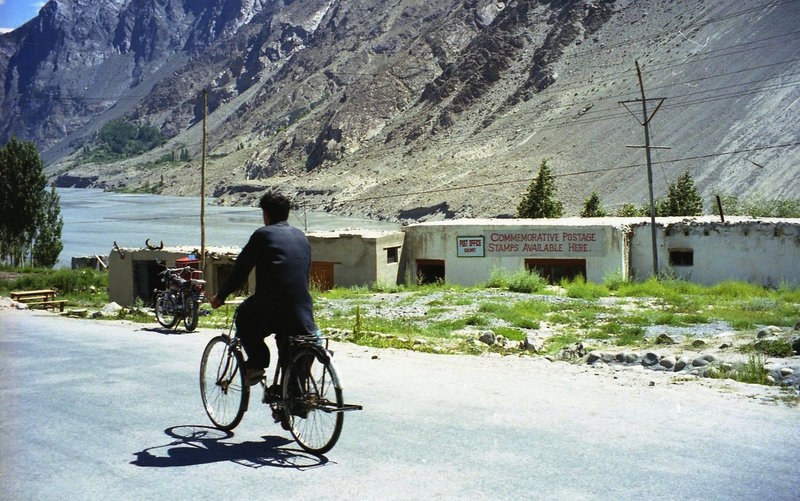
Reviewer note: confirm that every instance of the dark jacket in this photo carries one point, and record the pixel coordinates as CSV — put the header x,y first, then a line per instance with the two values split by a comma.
x,y
281,255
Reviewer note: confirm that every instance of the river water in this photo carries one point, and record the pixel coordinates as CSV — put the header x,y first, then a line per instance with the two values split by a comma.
x,y
94,220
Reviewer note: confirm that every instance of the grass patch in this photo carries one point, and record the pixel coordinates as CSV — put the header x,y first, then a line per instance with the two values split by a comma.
x,y
581,289
521,281
509,333
558,342
753,371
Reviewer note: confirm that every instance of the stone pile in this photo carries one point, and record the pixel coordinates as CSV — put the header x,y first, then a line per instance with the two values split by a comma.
x,y
784,372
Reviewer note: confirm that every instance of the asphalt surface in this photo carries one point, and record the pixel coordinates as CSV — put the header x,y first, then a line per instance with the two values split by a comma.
x,y
111,410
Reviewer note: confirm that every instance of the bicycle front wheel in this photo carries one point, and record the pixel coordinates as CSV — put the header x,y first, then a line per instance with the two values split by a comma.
x,y
222,386
165,310
313,398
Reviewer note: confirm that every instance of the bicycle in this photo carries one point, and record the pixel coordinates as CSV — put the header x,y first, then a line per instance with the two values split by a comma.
x,y
180,298
308,401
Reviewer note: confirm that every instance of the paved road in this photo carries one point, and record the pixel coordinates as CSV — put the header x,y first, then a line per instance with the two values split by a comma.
x,y
93,410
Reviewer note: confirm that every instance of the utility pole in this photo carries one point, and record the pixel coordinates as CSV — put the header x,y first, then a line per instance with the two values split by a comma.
x,y
203,189
645,121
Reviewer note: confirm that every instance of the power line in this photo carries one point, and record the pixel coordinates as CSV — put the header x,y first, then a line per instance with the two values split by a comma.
x,y
566,174
459,188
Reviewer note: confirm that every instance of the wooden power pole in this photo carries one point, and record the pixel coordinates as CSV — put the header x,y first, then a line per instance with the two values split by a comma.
x,y
645,121
203,189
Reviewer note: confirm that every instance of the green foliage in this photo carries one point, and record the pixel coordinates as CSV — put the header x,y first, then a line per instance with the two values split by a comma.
x,y
66,281
540,201
630,210
521,281
758,207
592,207
682,198
47,244
526,281
30,220
581,289
121,139
613,281
752,372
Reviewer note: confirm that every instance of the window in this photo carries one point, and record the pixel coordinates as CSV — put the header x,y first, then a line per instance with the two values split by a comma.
x,y
392,254
430,271
555,270
681,257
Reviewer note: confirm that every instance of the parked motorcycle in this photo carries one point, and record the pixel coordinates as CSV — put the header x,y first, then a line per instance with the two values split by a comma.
x,y
180,299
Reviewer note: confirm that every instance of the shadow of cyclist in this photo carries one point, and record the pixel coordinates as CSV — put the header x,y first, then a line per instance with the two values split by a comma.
x,y
195,445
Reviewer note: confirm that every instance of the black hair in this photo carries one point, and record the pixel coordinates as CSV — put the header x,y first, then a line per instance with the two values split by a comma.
x,y
276,206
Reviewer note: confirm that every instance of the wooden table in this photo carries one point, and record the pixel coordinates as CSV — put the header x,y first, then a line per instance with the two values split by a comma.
x,y
43,297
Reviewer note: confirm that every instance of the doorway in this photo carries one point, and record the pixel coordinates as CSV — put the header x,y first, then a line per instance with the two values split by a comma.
x,y
555,270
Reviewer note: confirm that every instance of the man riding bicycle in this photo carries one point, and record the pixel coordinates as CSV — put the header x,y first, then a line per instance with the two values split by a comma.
x,y
281,303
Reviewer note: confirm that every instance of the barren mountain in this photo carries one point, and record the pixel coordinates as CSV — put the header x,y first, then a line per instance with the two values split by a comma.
x,y
409,109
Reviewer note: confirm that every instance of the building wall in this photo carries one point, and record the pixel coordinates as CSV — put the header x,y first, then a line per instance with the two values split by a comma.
x,y
507,243
765,252
133,273
359,257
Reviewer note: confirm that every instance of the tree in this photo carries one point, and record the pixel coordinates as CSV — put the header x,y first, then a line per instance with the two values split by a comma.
x,y
592,207
629,210
540,201
682,198
47,243
27,212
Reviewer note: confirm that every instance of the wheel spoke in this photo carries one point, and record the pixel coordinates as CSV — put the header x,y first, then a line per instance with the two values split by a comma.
x,y
222,385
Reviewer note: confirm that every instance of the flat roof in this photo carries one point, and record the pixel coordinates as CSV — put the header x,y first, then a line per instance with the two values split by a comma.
x,y
352,232
600,221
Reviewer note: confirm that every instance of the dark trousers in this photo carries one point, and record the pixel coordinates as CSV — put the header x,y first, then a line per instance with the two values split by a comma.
x,y
253,326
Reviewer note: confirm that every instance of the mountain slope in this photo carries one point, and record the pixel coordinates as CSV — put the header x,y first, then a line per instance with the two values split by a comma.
x,y
410,109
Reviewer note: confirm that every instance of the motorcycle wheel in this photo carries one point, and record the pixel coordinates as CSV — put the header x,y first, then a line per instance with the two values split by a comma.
x,y
191,315
165,309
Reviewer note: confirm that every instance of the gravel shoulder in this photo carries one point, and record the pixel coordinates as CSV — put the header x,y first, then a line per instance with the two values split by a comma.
x,y
606,362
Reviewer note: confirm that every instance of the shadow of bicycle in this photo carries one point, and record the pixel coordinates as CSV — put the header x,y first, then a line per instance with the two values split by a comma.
x,y
195,445
164,330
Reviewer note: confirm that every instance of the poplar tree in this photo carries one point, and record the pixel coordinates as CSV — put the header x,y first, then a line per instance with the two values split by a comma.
x,y
592,207
540,201
682,198
28,213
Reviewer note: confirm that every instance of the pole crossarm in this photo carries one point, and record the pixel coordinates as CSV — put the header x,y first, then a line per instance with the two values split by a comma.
x,y
639,101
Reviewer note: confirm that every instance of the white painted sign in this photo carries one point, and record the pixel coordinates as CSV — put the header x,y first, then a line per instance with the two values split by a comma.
x,y
471,247
570,242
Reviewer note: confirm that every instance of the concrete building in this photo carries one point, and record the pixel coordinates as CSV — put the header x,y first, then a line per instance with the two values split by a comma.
x,y
133,272
465,251
707,251
702,249
341,258
346,258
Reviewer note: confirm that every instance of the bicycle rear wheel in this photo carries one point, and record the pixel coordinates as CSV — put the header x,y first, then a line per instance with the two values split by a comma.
x,y
313,398
222,386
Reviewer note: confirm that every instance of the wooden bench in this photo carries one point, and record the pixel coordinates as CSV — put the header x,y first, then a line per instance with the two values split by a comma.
x,y
45,298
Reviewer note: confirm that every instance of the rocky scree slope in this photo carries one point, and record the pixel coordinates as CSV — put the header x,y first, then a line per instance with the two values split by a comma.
x,y
416,110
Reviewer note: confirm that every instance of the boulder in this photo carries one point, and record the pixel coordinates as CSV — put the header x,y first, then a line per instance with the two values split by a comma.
x,y
487,337
533,344
111,309
650,359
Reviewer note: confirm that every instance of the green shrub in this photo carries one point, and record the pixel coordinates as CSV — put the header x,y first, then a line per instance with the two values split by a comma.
x,y
66,281
498,278
613,281
527,282
581,289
